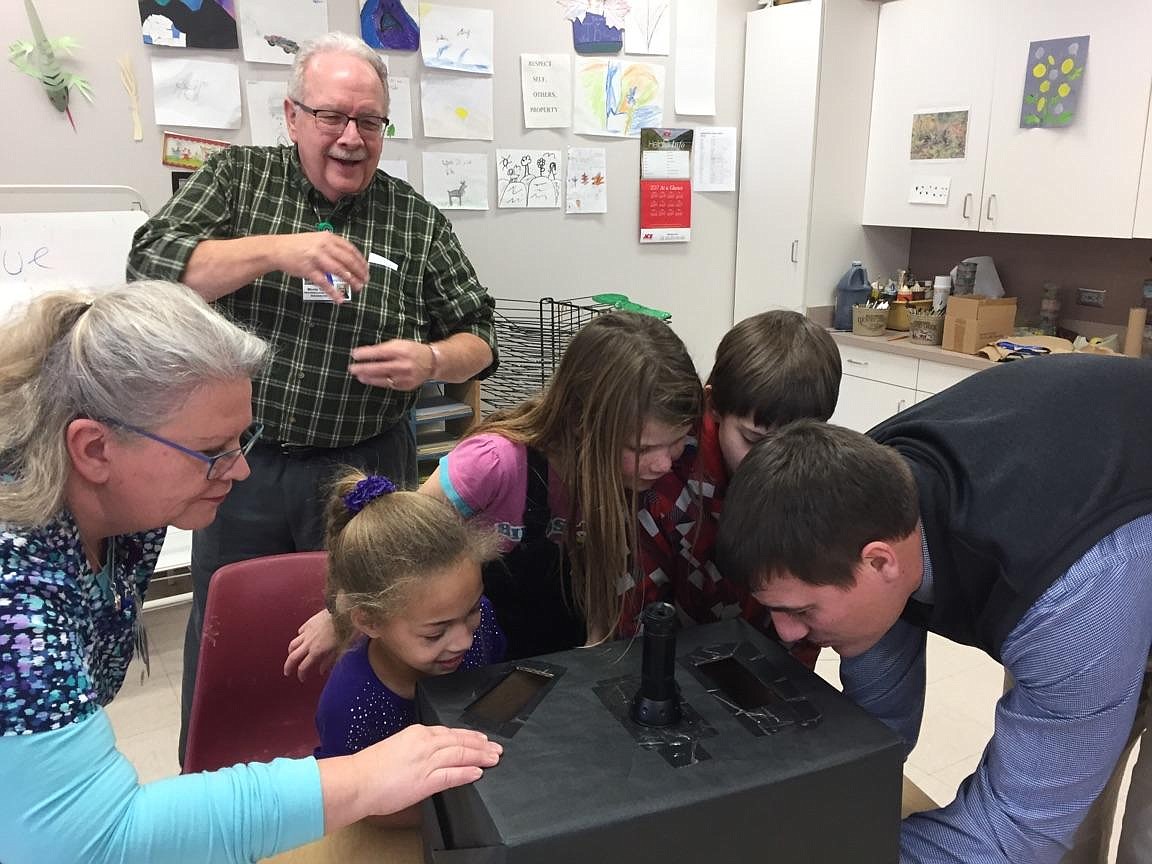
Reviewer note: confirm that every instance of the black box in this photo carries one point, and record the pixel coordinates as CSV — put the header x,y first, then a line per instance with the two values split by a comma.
x,y
805,777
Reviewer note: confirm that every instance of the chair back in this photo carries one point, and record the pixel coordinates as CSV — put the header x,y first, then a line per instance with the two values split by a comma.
x,y
244,709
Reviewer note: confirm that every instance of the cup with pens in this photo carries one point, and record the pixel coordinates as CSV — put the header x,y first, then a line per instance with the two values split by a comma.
x,y
926,326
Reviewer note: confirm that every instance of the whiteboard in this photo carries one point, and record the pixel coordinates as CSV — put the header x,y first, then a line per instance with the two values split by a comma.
x,y
45,251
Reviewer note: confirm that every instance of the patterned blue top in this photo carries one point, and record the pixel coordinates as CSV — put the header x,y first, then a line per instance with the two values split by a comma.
x,y
356,709
66,633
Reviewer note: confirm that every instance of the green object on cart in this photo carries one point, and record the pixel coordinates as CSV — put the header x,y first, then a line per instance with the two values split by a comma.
x,y
623,304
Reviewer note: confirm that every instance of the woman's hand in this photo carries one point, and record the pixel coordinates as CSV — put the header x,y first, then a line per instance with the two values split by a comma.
x,y
313,648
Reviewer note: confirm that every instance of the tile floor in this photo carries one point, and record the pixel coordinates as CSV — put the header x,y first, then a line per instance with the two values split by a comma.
x,y
963,686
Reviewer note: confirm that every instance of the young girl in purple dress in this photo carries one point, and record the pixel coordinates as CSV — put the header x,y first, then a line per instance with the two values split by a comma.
x,y
404,584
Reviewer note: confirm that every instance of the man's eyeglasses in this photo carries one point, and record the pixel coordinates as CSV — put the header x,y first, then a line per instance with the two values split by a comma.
x,y
218,463
337,121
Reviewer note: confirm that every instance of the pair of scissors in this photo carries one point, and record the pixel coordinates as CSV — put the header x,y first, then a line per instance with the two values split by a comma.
x,y
1019,349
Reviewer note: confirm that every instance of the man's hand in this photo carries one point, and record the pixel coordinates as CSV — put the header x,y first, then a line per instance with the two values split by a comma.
x,y
313,648
316,255
397,364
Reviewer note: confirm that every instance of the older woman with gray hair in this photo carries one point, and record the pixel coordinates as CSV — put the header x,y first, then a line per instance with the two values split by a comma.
x,y
120,412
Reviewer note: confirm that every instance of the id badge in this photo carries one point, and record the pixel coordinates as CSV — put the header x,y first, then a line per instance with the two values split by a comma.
x,y
313,293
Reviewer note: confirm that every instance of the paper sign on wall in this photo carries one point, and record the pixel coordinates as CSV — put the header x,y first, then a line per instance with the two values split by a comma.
x,y
546,83
665,185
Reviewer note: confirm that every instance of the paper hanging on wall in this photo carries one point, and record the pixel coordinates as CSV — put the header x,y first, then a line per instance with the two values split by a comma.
x,y
189,23
266,121
648,27
399,108
714,159
189,92
587,180
389,24
456,38
394,168
527,178
597,25
271,31
456,106
939,135
617,97
695,67
546,88
188,151
1052,82
456,181
665,185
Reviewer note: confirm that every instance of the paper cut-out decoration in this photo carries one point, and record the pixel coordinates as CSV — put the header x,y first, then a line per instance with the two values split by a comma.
x,y
186,151
597,25
456,38
527,178
617,97
1053,81
457,106
128,79
939,135
456,181
189,23
189,92
266,121
587,185
647,27
386,24
40,60
272,31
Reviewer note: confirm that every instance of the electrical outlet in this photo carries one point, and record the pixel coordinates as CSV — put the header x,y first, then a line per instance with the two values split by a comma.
x,y
1090,297
930,190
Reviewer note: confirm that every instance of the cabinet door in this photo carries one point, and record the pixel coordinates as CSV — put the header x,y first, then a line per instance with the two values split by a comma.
x,y
1080,179
931,56
863,402
1143,226
781,64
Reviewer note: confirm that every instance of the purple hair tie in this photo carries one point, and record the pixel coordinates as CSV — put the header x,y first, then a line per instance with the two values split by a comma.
x,y
366,491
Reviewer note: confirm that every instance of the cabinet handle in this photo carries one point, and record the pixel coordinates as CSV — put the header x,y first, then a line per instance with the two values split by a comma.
x,y
964,209
795,247
988,213
852,362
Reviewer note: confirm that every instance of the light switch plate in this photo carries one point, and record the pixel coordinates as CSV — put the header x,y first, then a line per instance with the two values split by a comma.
x,y
930,190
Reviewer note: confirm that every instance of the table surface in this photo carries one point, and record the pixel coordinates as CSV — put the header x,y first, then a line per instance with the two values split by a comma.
x,y
366,843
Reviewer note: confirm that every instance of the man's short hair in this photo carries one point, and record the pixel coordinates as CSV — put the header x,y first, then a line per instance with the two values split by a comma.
x,y
334,43
807,499
776,367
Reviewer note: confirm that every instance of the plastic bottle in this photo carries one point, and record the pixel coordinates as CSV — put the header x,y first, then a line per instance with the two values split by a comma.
x,y
852,289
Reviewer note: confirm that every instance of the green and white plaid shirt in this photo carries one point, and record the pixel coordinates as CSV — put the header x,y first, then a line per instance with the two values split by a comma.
x,y
307,396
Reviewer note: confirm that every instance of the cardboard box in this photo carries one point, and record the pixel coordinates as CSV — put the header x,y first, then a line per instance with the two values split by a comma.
x,y
579,782
971,322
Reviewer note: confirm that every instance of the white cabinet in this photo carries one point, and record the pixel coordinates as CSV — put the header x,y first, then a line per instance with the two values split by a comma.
x,y
1143,224
1077,180
807,85
875,384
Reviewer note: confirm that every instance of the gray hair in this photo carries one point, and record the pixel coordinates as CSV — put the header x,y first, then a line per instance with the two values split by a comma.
x,y
335,43
134,353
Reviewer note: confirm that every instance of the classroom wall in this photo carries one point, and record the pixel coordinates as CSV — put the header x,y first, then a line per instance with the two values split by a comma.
x,y
519,254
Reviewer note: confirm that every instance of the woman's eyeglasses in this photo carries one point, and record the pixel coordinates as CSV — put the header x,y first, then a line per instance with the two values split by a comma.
x,y
218,463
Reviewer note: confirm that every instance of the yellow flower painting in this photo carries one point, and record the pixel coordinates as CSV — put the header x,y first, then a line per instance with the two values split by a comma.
x,y
1053,80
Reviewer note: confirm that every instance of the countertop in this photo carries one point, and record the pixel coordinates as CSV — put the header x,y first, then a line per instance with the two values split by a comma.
x,y
897,342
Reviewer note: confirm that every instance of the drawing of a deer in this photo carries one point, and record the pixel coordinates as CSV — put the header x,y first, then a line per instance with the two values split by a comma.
x,y
457,193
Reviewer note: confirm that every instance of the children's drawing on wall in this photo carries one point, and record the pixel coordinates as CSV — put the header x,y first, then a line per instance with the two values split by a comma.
x,y
647,27
617,97
394,168
456,38
188,152
1053,81
456,181
266,113
272,31
597,25
196,92
527,178
40,59
457,106
587,181
189,23
388,25
939,135
399,108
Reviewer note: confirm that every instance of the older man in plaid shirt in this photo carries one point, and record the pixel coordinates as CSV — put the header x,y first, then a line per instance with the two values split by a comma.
x,y
358,282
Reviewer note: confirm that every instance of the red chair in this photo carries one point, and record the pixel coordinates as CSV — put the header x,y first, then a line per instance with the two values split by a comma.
x,y
244,709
